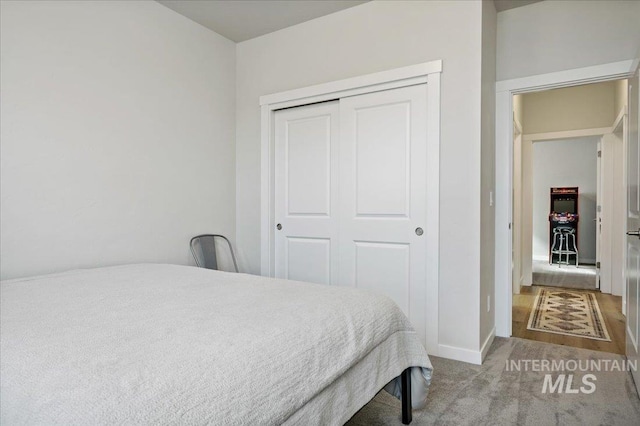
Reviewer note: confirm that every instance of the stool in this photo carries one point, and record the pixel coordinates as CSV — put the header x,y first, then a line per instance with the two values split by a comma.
x,y
564,243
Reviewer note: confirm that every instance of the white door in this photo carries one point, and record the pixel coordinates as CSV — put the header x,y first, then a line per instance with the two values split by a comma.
x,y
383,234
306,196
598,211
607,217
633,228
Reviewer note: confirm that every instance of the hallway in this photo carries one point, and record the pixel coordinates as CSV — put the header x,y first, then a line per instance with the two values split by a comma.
x,y
610,306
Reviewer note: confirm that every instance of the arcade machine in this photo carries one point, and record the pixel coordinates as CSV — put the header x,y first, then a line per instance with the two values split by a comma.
x,y
563,226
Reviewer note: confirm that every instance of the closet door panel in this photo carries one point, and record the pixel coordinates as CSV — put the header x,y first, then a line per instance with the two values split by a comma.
x,y
308,259
378,264
305,192
383,154
382,159
307,165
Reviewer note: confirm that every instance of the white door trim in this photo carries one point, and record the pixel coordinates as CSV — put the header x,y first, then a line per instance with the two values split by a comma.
x,y
504,165
568,134
567,78
622,122
397,77
429,73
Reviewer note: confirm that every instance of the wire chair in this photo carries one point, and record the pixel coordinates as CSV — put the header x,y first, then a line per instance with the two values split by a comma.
x,y
203,249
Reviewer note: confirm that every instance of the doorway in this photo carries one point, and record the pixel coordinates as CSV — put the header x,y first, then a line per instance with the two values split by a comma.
x,y
563,198
568,186
505,91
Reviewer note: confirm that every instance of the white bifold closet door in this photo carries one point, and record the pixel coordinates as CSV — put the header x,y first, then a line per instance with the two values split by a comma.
x,y
350,195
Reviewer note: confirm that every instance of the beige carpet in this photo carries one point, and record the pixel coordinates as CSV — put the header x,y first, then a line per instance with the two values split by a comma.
x,y
572,313
568,276
465,394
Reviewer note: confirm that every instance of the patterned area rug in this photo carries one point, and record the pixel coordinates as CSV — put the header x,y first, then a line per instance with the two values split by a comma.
x,y
573,313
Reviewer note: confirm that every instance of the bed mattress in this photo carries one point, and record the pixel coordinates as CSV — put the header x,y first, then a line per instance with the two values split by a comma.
x,y
168,344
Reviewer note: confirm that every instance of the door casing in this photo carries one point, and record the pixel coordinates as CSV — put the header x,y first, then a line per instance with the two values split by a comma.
x,y
632,301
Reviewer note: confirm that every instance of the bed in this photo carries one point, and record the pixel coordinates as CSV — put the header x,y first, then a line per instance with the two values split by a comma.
x,y
169,344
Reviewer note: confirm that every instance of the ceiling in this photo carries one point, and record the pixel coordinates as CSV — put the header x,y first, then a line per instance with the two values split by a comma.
x,y
502,5
241,20
245,19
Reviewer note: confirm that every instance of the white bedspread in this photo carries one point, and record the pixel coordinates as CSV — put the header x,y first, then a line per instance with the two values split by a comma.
x,y
166,344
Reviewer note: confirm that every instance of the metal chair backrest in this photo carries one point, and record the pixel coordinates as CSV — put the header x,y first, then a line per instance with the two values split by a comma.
x,y
203,249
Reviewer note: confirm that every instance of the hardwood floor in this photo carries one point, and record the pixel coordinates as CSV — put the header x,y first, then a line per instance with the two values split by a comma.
x,y
610,306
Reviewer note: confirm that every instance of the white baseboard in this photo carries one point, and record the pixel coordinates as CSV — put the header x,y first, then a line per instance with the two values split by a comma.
x,y
467,355
487,344
460,354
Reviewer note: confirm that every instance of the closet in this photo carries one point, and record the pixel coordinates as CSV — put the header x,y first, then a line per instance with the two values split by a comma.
x,y
349,187
350,195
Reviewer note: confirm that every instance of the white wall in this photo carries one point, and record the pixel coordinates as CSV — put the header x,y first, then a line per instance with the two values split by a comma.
x,y
372,37
559,35
117,140
487,184
565,162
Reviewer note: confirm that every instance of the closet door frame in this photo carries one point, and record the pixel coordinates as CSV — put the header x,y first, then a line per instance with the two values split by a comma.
x,y
428,73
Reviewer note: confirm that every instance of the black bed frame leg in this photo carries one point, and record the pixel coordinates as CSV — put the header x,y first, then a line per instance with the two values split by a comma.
x,y
405,380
